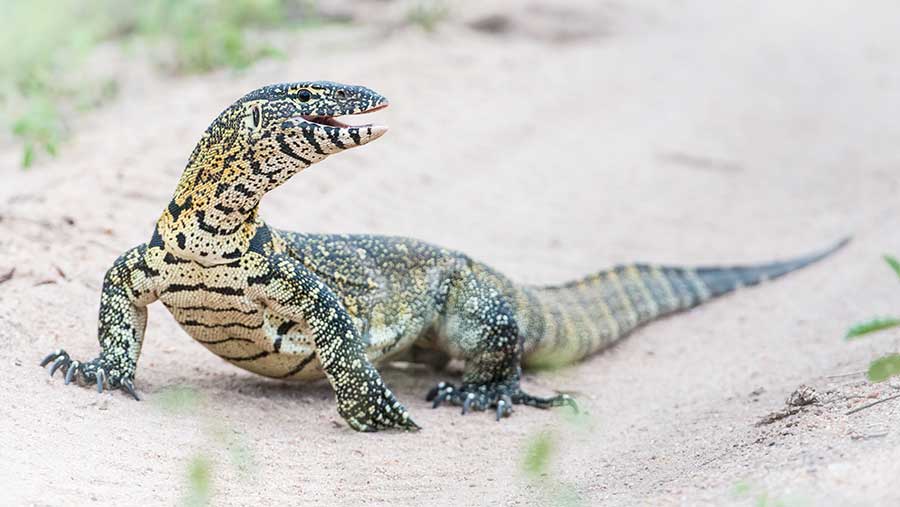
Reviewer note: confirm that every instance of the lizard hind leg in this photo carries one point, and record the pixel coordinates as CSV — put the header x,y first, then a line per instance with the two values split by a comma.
x,y
481,327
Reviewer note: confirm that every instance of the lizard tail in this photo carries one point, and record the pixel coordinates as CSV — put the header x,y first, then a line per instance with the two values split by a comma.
x,y
564,323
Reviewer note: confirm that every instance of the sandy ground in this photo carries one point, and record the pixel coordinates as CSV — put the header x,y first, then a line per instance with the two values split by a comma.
x,y
580,136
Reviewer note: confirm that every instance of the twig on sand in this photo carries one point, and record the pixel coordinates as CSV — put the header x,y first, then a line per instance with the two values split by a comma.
x,y
794,404
868,405
778,415
7,276
850,374
714,458
867,436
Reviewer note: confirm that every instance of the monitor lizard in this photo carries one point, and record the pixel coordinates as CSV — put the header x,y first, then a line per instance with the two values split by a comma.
x,y
301,306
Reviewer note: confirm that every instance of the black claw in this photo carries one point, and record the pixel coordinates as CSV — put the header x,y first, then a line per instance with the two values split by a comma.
x,y
56,364
432,394
71,372
100,377
467,403
50,357
411,425
509,403
129,388
441,397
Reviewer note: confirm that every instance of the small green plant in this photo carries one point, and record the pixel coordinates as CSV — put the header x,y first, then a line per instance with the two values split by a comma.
x,y
45,44
762,498
872,326
428,14
40,47
199,476
206,34
888,366
39,127
538,455
178,400
199,486
538,452
884,368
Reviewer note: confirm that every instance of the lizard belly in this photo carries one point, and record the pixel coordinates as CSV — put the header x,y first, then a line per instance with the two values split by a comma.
x,y
236,328
250,337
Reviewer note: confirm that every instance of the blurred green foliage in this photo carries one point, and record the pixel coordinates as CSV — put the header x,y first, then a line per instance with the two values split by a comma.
x,y
207,34
39,126
884,368
760,497
893,263
428,14
888,366
178,400
871,326
39,43
538,452
542,449
187,402
199,486
45,44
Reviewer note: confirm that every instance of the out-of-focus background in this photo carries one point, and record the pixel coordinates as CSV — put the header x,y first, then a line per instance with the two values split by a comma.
x,y
549,139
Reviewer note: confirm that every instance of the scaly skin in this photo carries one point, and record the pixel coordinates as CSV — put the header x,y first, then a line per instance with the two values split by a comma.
x,y
302,306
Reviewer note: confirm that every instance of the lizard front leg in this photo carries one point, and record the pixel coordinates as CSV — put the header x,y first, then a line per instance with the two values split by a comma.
x,y
127,290
363,400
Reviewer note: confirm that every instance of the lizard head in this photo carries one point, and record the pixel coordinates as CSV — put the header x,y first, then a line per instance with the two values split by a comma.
x,y
255,145
303,118
273,132
300,120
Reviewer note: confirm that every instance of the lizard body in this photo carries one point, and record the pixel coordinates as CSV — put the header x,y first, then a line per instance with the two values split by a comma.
x,y
304,306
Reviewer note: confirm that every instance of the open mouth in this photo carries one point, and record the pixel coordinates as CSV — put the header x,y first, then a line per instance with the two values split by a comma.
x,y
332,121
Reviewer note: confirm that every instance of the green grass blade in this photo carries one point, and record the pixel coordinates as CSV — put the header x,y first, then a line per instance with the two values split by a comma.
x,y
199,482
538,453
884,368
27,156
893,263
179,400
871,326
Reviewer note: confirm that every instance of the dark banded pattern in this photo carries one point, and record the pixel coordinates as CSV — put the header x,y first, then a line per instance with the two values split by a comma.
x,y
568,322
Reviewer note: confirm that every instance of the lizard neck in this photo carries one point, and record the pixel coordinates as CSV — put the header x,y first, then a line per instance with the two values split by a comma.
x,y
214,212
211,220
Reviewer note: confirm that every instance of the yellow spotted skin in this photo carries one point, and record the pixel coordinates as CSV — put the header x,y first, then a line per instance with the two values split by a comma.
x,y
303,306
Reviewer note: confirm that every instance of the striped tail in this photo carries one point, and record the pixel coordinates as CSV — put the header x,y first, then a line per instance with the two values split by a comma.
x,y
565,323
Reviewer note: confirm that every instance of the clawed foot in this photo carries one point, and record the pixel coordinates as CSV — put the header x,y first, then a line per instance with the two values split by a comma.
x,y
368,405
384,416
500,397
94,372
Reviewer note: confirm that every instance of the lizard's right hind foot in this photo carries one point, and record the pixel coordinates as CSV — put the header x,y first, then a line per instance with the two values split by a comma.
x,y
94,372
498,396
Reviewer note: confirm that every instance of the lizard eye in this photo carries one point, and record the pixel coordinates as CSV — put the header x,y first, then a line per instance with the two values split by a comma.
x,y
341,94
304,95
253,118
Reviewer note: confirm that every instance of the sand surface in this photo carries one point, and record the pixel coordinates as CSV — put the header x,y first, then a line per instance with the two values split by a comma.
x,y
580,135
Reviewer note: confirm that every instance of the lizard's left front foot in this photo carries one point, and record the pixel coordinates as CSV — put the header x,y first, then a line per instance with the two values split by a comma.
x,y
499,396
96,372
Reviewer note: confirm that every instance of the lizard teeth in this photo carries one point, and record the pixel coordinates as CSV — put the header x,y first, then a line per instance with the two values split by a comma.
x,y
332,121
